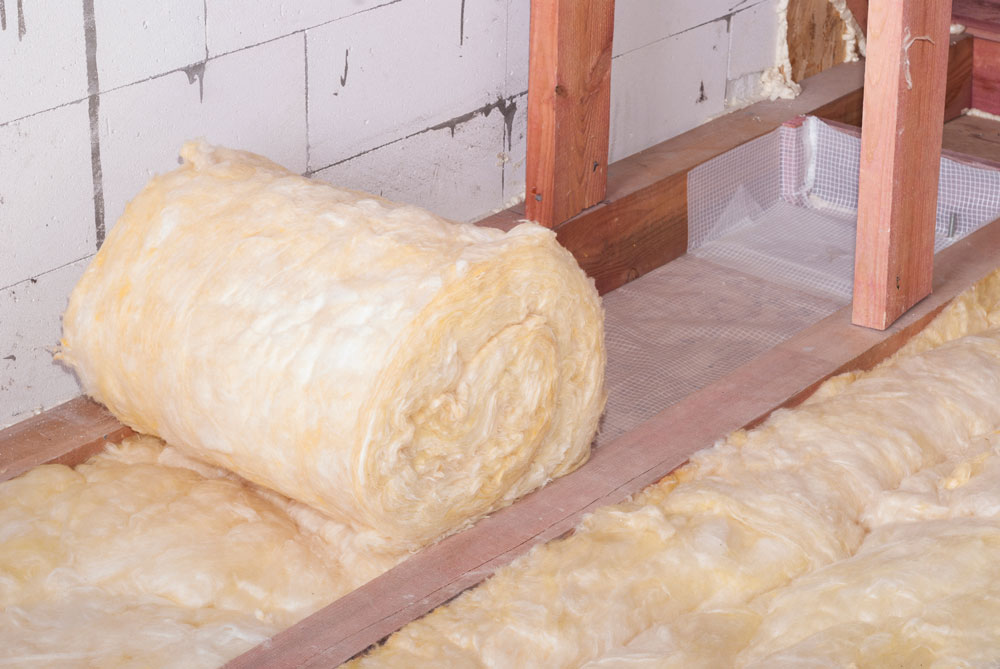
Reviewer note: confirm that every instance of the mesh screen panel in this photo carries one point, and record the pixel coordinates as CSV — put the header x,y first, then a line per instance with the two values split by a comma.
x,y
771,251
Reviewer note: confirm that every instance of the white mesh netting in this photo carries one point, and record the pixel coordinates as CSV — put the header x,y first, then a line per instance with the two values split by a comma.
x,y
770,252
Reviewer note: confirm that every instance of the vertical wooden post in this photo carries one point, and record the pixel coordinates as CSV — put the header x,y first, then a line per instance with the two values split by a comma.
x,y
569,98
859,8
905,76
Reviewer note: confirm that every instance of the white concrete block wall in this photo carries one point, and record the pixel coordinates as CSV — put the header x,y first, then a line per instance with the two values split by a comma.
x,y
418,100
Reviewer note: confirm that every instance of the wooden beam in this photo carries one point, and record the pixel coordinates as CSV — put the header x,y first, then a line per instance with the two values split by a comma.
x,y
981,18
859,8
814,37
569,99
974,139
905,80
986,76
784,376
68,434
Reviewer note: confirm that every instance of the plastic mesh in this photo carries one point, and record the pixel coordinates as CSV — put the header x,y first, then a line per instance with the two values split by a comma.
x,y
803,231
771,251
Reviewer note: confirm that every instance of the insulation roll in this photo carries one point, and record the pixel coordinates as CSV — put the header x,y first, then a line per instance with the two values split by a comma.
x,y
398,371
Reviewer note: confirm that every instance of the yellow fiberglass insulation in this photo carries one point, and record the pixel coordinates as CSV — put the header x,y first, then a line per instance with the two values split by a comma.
x,y
860,529
401,373
142,557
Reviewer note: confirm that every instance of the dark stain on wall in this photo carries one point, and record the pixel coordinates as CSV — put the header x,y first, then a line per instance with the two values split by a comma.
x,y
343,77
461,25
197,72
506,106
94,103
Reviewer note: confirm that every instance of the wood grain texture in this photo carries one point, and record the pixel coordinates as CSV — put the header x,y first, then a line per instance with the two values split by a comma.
x,y
986,76
969,138
859,8
980,17
784,376
905,81
569,100
68,434
815,41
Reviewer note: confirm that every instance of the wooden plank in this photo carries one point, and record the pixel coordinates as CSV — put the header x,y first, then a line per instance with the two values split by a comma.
x,y
782,377
980,17
986,76
967,139
814,37
905,81
972,138
859,8
569,100
68,434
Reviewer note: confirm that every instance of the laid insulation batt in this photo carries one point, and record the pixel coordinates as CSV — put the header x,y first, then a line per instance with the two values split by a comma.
x,y
399,372
860,529
142,557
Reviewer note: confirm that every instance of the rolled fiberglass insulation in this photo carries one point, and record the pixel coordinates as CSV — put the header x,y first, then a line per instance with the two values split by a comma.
x,y
395,370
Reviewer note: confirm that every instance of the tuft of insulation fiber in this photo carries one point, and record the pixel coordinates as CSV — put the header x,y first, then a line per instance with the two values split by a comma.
x,y
860,529
399,372
143,558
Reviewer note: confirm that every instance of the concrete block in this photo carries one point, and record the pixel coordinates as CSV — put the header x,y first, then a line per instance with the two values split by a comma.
x,y
518,20
639,23
379,76
143,38
43,65
454,172
661,90
753,39
252,99
30,327
235,24
46,193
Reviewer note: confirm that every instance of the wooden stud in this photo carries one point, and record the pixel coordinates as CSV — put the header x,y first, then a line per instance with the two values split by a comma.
x,y
569,99
986,76
905,79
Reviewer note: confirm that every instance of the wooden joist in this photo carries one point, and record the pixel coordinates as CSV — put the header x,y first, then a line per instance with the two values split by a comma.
x,y
569,99
905,81
68,434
